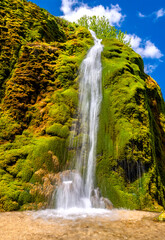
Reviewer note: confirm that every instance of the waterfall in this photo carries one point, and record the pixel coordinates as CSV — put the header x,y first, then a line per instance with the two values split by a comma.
x,y
77,186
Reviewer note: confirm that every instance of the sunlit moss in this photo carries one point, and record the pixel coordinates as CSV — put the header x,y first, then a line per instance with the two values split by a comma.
x,y
40,58
127,162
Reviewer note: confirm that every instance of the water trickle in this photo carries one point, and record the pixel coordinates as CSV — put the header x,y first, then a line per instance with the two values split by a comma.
x,y
76,186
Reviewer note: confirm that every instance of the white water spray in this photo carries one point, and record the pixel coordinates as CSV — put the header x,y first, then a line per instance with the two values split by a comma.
x,y
77,186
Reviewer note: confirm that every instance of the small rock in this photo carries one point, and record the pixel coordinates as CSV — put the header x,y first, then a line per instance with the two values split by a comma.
x,y
108,203
161,217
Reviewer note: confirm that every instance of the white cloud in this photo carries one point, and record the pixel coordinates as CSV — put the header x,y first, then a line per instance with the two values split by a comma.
x,y
151,51
66,6
141,15
134,40
160,13
146,49
157,14
149,68
72,13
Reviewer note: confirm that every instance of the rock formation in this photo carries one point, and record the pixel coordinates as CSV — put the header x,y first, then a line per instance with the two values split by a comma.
x,y
40,58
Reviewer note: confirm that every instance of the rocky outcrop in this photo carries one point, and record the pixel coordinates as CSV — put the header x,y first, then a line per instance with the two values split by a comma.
x,y
40,59
130,152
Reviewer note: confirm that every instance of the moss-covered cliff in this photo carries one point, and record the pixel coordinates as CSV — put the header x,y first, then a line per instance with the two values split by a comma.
x,y
40,57
131,137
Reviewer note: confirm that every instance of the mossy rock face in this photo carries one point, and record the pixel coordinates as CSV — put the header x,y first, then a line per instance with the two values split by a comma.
x,y
39,61
130,150
58,130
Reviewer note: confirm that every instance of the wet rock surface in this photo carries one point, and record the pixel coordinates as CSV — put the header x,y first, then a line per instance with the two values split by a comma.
x,y
130,225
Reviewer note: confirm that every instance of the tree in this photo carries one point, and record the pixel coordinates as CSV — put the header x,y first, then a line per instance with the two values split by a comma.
x,y
102,28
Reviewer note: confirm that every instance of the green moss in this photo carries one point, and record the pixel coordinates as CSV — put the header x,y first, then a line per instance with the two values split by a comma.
x,y
40,58
71,97
8,130
10,205
24,198
54,130
125,145
60,113
10,190
39,61
26,172
41,155
64,132
58,130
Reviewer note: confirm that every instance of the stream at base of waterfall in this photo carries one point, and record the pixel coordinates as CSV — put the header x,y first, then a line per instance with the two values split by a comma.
x,y
132,225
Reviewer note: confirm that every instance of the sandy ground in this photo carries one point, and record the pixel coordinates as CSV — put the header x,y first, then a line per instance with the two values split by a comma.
x,y
130,225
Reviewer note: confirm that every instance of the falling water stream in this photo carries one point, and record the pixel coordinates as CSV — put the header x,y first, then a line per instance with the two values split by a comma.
x,y
76,187
76,194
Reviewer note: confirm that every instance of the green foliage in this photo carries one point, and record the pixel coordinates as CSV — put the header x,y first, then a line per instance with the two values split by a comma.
x,y
102,28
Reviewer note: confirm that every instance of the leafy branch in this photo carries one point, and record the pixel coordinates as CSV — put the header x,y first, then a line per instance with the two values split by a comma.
x,y
102,28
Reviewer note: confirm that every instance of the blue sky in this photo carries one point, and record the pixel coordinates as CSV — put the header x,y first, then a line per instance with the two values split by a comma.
x,y
144,21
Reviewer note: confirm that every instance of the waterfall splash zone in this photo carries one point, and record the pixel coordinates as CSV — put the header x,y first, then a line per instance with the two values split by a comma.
x,y
76,195
134,225
77,213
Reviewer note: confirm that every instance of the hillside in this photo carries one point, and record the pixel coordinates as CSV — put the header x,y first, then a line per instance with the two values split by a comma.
x,y
40,59
131,138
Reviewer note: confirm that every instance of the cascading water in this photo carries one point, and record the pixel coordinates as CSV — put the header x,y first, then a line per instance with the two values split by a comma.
x,y
76,196
76,186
